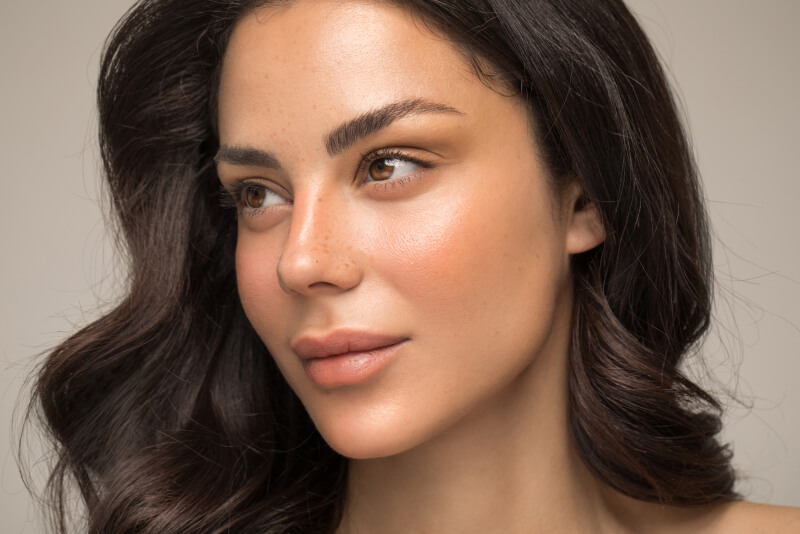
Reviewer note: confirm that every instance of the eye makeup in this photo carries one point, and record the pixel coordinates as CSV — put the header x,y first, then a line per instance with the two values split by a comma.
x,y
250,196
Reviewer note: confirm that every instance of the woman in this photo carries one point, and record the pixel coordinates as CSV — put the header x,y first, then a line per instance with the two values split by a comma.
x,y
458,256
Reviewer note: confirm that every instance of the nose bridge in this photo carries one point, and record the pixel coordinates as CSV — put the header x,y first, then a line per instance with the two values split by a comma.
x,y
317,254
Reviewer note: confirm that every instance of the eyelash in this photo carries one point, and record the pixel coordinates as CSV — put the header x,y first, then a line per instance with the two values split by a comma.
x,y
231,197
389,154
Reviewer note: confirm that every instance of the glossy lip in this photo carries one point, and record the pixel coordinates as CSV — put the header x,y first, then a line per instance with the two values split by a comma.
x,y
345,357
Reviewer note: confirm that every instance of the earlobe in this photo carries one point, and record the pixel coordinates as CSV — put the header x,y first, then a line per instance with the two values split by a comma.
x,y
586,229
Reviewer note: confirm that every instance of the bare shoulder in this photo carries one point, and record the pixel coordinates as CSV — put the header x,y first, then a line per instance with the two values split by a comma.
x,y
748,517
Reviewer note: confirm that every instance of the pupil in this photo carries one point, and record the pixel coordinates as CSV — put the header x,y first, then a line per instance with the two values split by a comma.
x,y
381,170
254,197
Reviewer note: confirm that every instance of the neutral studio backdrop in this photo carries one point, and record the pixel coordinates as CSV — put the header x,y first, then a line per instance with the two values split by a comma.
x,y
736,64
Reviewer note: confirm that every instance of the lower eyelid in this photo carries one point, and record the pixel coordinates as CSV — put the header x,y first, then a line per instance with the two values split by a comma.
x,y
253,214
395,183
237,191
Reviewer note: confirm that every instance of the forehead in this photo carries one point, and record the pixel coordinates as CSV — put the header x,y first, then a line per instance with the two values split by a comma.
x,y
335,59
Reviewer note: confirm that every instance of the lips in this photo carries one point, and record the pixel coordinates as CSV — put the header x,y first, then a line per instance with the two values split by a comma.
x,y
346,357
342,342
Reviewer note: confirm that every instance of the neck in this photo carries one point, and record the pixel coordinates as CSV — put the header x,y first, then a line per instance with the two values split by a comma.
x,y
510,466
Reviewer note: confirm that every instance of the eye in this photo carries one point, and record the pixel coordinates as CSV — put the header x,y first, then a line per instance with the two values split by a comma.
x,y
383,169
252,196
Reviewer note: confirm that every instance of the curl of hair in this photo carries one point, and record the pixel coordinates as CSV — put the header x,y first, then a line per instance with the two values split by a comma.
x,y
171,416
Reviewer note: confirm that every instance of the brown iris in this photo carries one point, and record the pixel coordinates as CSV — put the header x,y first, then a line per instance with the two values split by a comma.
x,y
382,169
254,196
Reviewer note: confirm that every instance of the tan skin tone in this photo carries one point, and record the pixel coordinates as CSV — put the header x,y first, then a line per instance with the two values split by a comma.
x,y
452,237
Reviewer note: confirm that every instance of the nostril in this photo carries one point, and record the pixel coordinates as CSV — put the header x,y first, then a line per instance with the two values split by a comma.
x,y
322,285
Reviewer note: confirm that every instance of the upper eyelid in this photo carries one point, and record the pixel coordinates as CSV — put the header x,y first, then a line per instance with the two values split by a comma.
x,y
390,153
237,185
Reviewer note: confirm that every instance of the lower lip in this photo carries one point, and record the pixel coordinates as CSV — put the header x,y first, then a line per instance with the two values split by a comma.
x,y
351,368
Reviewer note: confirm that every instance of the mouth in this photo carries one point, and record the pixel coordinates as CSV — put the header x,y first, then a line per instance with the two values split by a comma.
x,y
346,357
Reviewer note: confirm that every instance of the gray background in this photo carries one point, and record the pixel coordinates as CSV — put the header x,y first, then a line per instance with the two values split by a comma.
x,y
736,65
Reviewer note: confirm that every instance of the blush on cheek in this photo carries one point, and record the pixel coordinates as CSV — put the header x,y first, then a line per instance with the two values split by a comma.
x,y
456,246
425,257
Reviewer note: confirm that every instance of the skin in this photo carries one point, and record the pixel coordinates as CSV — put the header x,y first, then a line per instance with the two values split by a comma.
x,y
467,256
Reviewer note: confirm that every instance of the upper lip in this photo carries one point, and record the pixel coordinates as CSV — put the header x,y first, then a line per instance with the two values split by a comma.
x,y
341,342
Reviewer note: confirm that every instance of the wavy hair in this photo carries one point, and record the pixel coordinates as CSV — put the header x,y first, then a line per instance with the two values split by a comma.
x,y
169,413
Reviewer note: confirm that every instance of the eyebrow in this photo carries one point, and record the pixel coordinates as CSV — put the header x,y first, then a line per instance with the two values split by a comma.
x,y
247,156
371,122
342,137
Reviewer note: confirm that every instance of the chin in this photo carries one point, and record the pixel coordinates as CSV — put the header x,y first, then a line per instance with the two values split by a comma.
x,y
362,440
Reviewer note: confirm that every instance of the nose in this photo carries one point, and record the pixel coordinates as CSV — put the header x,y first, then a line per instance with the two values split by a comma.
x,y
318,256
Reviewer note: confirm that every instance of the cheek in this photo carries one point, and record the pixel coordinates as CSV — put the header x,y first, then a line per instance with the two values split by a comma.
x,y
472,250
481,274
256,267
427,250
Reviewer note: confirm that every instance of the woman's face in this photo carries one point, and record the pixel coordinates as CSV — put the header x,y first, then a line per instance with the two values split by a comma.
x,y
393,217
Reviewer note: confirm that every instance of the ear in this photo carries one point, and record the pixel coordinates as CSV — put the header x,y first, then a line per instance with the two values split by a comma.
x,y
585,228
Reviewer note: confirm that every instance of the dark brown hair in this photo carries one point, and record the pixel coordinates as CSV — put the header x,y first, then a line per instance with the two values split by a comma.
x,y
168,411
